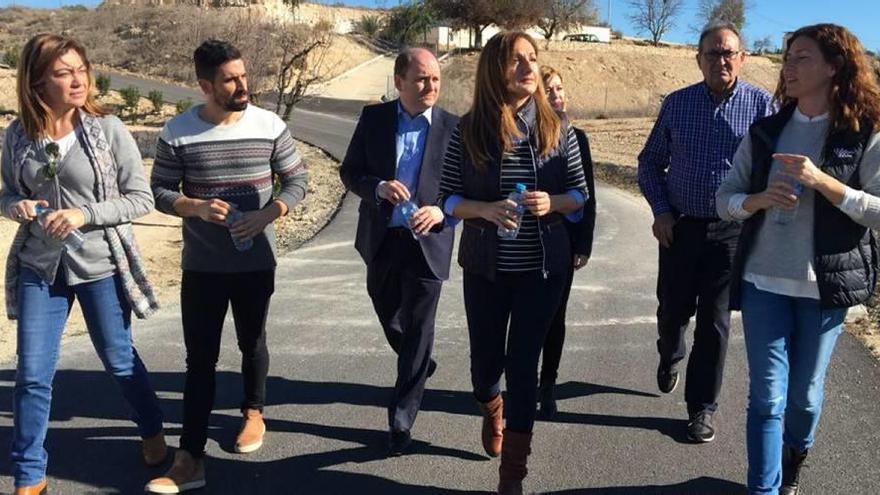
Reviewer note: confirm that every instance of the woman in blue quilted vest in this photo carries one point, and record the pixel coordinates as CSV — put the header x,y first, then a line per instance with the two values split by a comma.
x,y
806,184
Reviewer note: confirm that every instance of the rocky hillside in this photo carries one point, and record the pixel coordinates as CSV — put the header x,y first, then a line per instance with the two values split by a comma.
x,y
158,41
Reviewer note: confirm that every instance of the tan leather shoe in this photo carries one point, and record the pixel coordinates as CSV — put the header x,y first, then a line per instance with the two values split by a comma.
x,y
250,437
186,473
41,488
154,449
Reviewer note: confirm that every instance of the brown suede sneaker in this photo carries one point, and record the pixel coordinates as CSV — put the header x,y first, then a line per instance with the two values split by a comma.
x,y
186,473
154,449
250,437
41,488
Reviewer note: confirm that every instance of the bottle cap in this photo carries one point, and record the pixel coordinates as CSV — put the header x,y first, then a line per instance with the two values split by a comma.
x,y
520,187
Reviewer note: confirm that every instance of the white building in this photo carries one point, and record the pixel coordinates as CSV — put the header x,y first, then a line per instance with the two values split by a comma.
x,y
446,38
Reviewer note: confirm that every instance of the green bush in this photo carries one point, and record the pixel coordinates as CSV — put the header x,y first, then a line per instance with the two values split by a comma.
x,y
130,96
183,105
103,84
156,99
369,25
11,57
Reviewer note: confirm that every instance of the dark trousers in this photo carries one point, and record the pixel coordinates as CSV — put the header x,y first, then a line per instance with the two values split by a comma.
x,y
508,321
552,354
405,293
204,299
695,279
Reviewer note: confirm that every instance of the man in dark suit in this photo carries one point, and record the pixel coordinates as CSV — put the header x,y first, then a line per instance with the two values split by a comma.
x,y
395,157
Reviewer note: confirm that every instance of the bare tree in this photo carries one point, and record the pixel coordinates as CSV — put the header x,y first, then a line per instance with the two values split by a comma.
x,y
655,17
763,45
718,11
476,15
302,50
562,15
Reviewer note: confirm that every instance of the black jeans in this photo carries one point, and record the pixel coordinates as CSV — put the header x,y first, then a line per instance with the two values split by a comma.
x,y
508,321
204,299
694,278
552,354
405,293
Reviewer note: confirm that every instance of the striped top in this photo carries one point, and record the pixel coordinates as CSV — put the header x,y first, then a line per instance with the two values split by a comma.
x,y
525,252
235,163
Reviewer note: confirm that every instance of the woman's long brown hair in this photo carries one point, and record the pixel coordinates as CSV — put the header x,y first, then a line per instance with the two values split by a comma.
x,y
491,123
855,92
37,57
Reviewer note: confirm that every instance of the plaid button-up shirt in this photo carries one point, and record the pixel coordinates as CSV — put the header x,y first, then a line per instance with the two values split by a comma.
x,y
691,147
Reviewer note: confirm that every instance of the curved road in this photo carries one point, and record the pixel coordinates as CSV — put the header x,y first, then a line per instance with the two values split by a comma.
x,y
331,372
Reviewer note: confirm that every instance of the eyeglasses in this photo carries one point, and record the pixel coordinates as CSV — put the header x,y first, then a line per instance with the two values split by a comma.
x,y
715,56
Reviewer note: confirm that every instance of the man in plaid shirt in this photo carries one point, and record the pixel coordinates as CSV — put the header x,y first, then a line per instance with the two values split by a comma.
x,y
687,155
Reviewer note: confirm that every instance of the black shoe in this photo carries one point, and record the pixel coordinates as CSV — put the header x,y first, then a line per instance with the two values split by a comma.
x,y
547,401
792,462
398,442
667,378
432,367
700,428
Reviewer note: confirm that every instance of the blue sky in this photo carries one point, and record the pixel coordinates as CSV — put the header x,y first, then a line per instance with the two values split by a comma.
x,y
766,18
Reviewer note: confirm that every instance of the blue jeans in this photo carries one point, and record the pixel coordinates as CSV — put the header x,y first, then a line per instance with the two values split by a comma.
x,y
43,310
789,343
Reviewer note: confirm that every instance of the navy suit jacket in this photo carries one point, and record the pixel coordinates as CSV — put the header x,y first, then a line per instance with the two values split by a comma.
x,y
372,158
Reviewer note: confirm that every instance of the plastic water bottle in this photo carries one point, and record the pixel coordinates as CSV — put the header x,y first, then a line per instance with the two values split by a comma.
x,y
74,240
781,215
233,216
516,197
408,208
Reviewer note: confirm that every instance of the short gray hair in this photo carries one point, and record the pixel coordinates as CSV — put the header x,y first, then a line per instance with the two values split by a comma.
x,y
716,26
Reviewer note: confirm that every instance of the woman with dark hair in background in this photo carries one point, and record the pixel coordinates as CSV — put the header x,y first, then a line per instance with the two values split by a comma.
x,y
513,284
66,155
581,235
806,182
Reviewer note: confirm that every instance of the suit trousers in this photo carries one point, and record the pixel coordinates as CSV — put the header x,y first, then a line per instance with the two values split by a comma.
x,y
694,279
405,293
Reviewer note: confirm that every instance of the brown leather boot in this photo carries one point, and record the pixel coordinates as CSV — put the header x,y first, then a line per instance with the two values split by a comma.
x,y
41,488
154,449
514,458
250,437
493,425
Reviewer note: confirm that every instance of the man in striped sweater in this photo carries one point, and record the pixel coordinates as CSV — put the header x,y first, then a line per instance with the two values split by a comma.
x,y
225,154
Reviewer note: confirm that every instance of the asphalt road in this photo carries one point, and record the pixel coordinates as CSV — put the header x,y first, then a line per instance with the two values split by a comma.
x,y
331,375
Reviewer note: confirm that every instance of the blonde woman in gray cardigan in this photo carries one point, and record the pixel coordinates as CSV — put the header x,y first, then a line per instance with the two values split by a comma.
x,y
65,155
806,183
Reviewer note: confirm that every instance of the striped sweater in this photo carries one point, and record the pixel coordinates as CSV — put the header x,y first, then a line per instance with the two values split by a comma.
x,y
235,163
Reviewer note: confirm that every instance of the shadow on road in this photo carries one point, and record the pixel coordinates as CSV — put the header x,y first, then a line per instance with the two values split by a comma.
x,y
698,486
107,457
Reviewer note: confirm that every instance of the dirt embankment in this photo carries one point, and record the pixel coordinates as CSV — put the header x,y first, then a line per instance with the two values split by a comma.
x,y
612,80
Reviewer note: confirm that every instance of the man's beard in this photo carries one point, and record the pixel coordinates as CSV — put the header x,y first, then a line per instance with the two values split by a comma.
x,y
232,105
